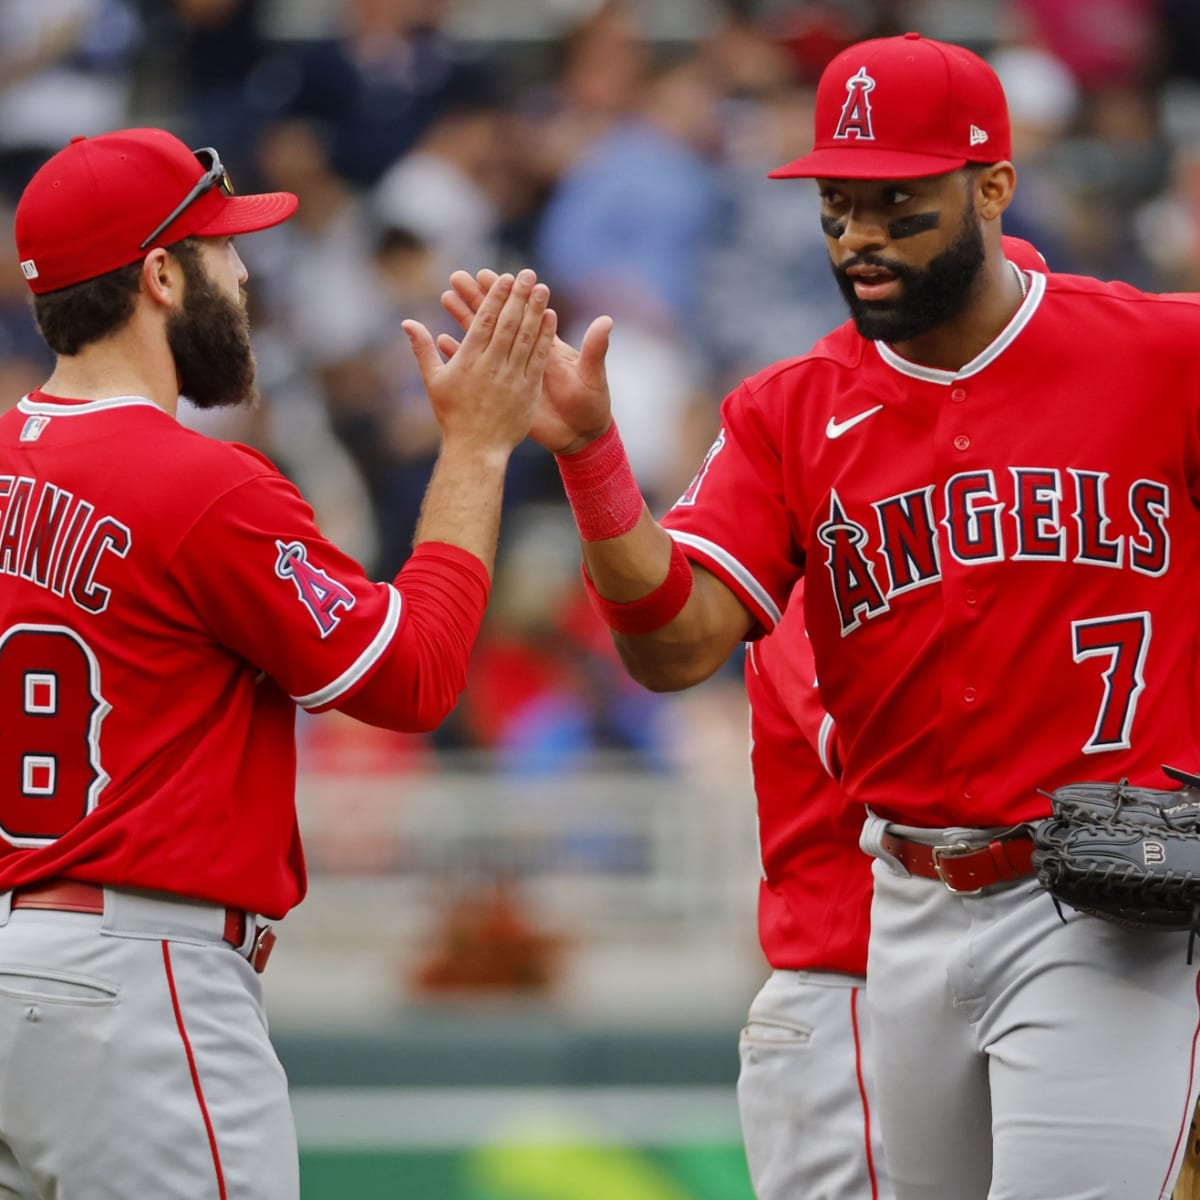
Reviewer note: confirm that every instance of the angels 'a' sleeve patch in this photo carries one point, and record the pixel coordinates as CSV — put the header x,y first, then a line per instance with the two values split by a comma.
x,y
321,594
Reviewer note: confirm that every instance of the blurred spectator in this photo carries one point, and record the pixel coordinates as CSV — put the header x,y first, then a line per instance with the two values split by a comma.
x,y
378,85
215,46
1104,43
450,189
597,69
1043,103
770,245
813,31
627,226
1179,40
627,232
1168,226
25,362
65,69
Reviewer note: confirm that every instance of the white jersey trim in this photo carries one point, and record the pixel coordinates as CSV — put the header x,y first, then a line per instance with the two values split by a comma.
x,y
824,739
747,581
49,409
365,660
987,356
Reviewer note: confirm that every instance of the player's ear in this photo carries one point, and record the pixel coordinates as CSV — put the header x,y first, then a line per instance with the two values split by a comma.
x,y
161,277
994,185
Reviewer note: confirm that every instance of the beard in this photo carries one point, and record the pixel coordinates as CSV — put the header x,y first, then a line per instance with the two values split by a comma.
x,y
209,338
931,295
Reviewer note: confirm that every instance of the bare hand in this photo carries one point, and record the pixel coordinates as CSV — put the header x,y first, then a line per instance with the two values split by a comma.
x,y
485,394
576,407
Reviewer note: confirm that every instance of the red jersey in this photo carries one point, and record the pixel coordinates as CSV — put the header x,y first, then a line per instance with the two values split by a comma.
x,y
815,893
166,603
998,561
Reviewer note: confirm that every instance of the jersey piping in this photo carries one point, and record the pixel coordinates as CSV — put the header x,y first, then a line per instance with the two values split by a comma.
x,y
719,555
39,409
1005,338
363,663
824,739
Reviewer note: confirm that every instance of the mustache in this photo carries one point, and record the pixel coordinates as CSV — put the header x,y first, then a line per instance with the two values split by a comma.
x,y
900,270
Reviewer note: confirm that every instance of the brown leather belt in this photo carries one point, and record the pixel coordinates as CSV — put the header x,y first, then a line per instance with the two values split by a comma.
x,y
962,867
70,895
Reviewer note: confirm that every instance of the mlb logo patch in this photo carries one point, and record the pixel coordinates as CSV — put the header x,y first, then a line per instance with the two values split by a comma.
x,y
29,268
33,427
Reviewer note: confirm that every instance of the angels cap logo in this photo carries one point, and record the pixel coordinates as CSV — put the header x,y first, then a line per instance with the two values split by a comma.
x,y
978,136
856,112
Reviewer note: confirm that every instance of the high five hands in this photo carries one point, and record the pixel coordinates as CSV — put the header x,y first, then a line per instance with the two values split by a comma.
x,y
575,406
485,394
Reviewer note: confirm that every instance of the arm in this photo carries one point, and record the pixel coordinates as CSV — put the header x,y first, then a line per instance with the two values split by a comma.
x,y
483,400
627,555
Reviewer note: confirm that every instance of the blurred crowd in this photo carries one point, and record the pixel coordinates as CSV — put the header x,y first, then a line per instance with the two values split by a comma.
x,y
630,171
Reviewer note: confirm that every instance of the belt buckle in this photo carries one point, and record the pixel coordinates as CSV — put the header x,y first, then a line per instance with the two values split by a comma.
x,y
955,849
260,949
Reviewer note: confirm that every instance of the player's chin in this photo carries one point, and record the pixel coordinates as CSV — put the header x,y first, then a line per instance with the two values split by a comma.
x,y
879,320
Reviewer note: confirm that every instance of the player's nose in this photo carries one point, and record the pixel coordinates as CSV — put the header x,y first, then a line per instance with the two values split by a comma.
x,y
862,233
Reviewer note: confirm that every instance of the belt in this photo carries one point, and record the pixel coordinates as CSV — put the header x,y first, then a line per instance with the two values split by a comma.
x,y
70,895
963,867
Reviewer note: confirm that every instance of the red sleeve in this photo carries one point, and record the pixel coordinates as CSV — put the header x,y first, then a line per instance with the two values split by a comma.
x,y
734,517
267,586
445,591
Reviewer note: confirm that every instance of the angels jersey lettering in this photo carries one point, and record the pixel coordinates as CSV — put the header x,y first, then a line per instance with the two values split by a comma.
x,y
987,558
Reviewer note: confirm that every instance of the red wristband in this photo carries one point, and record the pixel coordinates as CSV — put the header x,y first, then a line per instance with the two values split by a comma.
x,y
651,612
601,489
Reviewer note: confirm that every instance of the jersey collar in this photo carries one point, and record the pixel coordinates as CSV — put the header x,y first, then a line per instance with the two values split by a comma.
x,y
1004,339
38,404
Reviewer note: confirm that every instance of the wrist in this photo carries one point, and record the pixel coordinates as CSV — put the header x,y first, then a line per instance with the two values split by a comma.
x,y
652,611
601,490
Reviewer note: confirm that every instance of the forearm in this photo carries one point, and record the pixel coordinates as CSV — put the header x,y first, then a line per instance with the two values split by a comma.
x,y
444,593
696,641
463,501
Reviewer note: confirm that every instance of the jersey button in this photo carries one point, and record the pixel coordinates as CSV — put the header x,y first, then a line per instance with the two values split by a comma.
x,y
969,695
971,597
958,395
962,442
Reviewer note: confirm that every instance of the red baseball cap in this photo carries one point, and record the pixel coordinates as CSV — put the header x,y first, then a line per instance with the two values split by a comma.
x,y
90,207
904,107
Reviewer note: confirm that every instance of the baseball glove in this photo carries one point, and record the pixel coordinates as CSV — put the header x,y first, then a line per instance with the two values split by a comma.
x,y
1127,854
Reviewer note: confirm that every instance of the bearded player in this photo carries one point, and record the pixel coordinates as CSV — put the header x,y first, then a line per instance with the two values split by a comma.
x,y
167,604
990,481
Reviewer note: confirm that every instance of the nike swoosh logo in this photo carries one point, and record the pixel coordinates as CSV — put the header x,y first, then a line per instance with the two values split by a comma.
x,y
836,428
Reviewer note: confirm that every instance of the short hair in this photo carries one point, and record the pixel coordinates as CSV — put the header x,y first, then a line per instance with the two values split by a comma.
x,y
74,317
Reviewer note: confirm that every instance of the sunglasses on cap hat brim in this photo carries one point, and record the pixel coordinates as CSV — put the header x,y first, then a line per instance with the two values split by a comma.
x,y
214,176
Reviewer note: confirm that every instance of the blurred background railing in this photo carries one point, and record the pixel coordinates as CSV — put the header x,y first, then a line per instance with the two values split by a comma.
x,y
529,941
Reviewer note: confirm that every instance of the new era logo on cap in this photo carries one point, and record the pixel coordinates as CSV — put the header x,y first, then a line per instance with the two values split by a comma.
x,y
29,268
901,108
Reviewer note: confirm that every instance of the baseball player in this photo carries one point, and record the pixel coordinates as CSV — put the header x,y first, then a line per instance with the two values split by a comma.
x,y
989,479
804,1090
167,604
